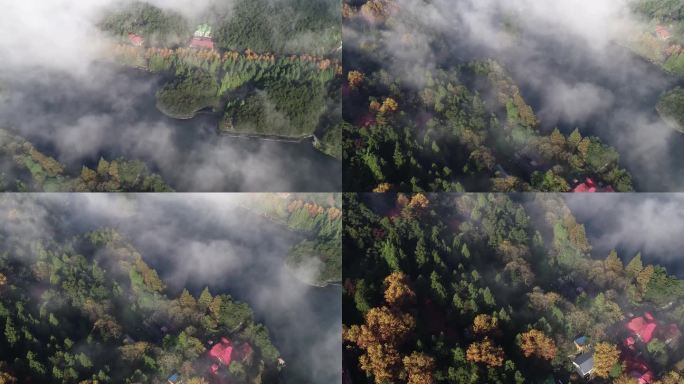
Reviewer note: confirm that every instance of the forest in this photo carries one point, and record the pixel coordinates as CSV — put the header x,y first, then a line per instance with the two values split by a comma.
x,y
271,70
659,34
88,309
671,109
494,288
319,218
23,168
455,127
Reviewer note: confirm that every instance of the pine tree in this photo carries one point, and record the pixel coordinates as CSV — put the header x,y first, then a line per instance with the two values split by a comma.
x,y
11,332
186,300
575,138
205,299
635,266
102,167
215,307
613,263
557,138
644,277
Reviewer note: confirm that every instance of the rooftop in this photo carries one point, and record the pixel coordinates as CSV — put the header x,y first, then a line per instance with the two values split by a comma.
x,y
222,351
584,363
590,186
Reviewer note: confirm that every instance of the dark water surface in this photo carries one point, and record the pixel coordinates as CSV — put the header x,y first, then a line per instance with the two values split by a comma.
x,y
110,112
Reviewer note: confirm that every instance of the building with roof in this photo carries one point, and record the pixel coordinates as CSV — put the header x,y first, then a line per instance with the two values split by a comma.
x,y
202,37
584,363
136,40
663,32
203,30
590,186
643,327
222,352
636,368
174,379
582,344
202,43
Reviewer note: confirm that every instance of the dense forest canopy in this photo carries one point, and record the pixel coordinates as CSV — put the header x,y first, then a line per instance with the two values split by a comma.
x,y
659,34
671,108
89,309
23,168
448,288
270,67
450,125
317,259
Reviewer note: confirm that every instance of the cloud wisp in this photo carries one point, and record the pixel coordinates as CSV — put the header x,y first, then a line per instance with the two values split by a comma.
x,y
198,240
73,105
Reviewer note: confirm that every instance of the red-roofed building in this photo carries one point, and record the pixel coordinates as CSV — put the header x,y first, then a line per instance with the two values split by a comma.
x,y
136,40
629,342
642,328
222,352
590,186
202,43
637,368
663,33
646,378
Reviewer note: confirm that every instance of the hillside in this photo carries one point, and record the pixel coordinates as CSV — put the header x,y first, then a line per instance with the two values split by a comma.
x,y
270,70
316,260
660,34
89,309
450,124
25,168
482,289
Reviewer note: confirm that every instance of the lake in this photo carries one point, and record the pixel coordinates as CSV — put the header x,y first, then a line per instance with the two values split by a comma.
x,y
110,112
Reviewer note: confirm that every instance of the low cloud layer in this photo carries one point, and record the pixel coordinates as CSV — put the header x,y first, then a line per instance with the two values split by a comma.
x,y
566,55
198,240
647,223
66,99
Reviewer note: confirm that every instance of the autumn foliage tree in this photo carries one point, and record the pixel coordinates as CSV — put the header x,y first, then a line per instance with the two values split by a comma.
x,y
536,343
389,105
419,201
398,289
485,352
625,379
606,358
384,330
355,79
382,188
484,324
671,378
419,368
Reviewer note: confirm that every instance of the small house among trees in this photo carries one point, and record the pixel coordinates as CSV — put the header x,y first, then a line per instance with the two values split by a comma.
x,y
584,363
663,32
202,38
590,186
136,40
582,344
174,379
